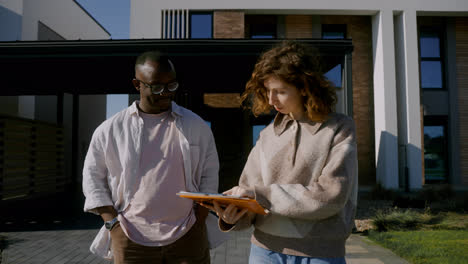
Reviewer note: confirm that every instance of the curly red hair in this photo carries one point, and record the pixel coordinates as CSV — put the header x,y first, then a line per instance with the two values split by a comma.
x,y
297,65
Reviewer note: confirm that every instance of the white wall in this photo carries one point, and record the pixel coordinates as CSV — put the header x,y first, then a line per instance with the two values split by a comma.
x,y
10,20
45,108
145,15
63,16
14,5
389,109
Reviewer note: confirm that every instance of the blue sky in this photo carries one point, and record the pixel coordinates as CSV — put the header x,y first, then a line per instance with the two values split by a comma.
x,y
113,15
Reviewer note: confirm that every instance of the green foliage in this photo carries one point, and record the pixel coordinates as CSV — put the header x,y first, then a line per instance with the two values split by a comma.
x,y
426,246
396,219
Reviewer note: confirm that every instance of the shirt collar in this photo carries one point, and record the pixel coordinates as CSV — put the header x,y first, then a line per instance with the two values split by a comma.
x,y
282,122
176,109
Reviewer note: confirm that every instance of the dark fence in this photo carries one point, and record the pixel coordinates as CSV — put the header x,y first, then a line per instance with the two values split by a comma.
x,y
31,159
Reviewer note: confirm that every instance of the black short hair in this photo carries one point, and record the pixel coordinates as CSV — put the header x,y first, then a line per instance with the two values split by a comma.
x,y
155,56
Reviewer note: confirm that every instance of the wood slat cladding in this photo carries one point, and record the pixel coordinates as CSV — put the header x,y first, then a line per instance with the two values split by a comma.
x,y
461,44
359,29
228,24
298,26
31,158
222,100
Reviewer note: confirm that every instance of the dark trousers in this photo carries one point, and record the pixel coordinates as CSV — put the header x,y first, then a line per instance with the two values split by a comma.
x,y
192,248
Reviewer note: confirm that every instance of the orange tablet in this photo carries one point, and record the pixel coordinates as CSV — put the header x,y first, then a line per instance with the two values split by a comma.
x,y
241,202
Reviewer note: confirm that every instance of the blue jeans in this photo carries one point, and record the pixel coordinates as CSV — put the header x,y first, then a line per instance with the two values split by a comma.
x,y
260,255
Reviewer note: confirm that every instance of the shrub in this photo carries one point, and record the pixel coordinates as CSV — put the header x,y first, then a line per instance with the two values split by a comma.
x,y
396,219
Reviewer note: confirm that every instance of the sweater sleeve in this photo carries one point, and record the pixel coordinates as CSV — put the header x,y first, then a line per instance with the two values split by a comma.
x,y
95,187
324,196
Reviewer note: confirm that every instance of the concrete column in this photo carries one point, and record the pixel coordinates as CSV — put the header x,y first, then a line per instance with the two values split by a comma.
x,y
409,117
26,106
385,110
46,108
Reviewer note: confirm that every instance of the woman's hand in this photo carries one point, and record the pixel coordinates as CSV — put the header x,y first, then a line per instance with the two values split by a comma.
x,y
239,191
231,214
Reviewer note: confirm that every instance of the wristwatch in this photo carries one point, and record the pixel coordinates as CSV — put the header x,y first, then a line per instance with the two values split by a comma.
x,y
111,223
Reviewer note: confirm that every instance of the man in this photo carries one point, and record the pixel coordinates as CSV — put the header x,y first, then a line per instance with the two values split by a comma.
x,y
136,163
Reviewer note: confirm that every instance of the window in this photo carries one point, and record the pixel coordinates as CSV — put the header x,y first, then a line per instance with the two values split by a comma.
x,y
435,149
261,26
259,123
334,75
256,133
201,25
332,31
431,61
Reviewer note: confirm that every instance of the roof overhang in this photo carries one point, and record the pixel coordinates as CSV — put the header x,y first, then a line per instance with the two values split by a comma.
x,y
107,66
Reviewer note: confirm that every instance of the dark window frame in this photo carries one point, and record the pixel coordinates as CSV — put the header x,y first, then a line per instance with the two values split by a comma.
x,y
255,21
334,28
439,30
436,120
201,13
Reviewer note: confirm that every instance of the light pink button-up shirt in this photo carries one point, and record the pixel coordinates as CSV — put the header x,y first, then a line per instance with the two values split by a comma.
x,y
157,216
113,159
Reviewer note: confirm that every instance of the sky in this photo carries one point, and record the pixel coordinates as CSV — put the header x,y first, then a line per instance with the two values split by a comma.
x,y
113,15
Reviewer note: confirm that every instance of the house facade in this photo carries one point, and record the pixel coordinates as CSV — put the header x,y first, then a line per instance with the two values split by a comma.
x,y
30,21
408,72
399,69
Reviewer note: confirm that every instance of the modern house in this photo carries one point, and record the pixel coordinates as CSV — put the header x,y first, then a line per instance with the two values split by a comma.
x,y
399,68
30,163
408,71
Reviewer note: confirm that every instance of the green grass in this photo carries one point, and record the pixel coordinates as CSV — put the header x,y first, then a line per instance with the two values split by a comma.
x,y
426,246
423,237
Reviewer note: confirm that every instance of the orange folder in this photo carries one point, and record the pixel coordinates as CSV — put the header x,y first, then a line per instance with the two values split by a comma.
x,y
225,200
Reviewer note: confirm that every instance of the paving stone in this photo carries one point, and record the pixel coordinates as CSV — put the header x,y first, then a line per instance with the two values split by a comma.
x,y
72,246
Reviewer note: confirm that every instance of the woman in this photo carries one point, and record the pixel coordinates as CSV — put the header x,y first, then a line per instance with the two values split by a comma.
x,y
303,168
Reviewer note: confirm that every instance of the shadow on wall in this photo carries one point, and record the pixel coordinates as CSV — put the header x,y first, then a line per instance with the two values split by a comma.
x,y
10,25
393,170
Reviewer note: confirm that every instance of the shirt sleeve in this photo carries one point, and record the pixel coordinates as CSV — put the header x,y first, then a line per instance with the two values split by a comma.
x,y
95,187
326,195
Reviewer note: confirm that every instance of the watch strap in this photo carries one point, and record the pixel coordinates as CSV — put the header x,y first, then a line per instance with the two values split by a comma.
x,y
111,223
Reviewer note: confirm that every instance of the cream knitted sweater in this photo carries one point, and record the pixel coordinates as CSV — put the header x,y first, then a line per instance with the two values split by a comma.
x,y
305,173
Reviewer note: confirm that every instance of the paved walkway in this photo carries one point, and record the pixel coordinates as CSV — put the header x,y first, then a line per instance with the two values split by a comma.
x,y
71,246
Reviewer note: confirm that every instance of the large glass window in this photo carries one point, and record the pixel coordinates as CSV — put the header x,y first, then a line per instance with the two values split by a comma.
x,y
201,25
261,26
431,66
435,149
333,31
334,75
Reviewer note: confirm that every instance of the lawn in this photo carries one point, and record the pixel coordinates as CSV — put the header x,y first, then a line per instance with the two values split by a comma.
x,y
422,237
426,246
